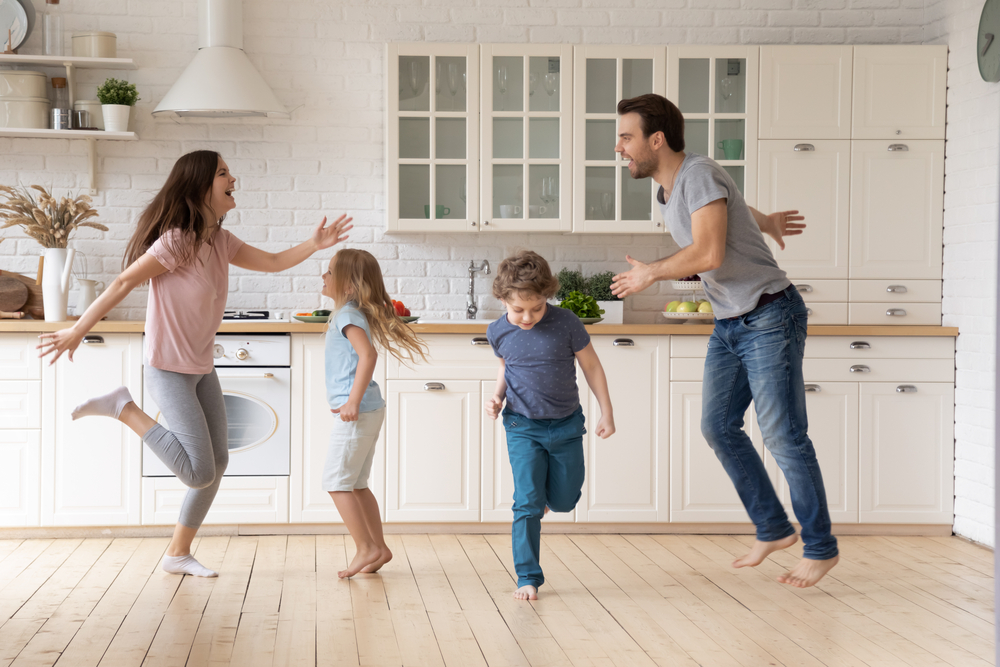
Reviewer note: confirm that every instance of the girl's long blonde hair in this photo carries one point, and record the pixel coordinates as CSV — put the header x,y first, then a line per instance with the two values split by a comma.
x,y
358,278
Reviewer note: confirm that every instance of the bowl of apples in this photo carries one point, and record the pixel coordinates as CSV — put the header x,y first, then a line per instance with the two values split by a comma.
x,y
403,312
689,310
688,284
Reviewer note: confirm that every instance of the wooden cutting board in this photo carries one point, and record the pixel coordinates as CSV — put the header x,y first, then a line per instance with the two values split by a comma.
x,y
33,306
13,294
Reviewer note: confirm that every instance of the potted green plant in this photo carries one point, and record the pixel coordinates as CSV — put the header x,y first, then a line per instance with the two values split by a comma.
x,y
599,287
117,99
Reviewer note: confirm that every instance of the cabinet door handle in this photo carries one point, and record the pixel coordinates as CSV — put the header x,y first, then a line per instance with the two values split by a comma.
x,y
623,342
896,289
906,389
809,311
434,386
480,341
804,288
473,223
815,388
93,340
896,312
859,368
898,147
860,345
486,222
804,147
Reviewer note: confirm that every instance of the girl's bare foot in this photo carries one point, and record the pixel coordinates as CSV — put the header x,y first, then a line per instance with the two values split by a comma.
x,y
362,559
384,557
762,550
807,572
526,592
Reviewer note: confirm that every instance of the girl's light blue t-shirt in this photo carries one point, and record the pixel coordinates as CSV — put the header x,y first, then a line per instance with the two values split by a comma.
x,y
342,361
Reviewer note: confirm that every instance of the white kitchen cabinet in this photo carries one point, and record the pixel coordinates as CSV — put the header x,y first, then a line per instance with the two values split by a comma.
x,y
606,199
20,477
259,500
20,404
91,467
813,177
906,452
19,358
311,425
716,89
627,473
433,449
527,146
832,409
432,137
897,200
899,92
805,92
901,313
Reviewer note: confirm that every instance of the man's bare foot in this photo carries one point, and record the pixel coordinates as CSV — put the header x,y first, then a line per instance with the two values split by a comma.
x,y
807,572
526,592
762,550
362,559
384,557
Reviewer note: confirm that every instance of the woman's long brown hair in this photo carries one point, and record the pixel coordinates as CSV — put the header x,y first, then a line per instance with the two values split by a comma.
x,y
180,204
356,273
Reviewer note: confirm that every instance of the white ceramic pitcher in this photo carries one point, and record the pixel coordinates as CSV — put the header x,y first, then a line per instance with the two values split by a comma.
x,y
88,293
55,282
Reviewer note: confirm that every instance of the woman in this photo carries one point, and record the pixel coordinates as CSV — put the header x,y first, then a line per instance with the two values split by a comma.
x,y
182,250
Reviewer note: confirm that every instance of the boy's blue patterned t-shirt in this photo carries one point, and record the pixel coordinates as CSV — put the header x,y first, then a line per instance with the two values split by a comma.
x,y
540,363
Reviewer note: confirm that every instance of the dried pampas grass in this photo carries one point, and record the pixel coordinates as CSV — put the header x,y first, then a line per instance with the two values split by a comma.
x,y
44,218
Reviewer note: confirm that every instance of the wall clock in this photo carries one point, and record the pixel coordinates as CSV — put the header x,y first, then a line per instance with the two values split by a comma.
x,y
988,42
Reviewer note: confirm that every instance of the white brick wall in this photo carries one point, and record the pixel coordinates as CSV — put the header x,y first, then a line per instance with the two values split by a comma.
x,y
970,238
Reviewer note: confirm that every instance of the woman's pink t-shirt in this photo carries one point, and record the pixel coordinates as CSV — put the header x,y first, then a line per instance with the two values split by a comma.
x,y
187,303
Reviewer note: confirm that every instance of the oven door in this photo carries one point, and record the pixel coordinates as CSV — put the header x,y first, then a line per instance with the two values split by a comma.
x,y
258,407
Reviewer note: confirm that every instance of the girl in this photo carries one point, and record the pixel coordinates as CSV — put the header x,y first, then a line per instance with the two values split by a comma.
x,y
182,250
364,318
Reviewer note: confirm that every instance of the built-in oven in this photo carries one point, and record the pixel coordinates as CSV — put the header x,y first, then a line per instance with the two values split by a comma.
x,y
255,373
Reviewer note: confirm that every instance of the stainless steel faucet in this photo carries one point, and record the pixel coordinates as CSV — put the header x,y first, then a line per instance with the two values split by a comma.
x,y
472,308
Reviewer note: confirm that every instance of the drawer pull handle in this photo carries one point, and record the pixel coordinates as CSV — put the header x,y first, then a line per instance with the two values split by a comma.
x,y
246,377
860,368
480,341
813,388
93,340
623,342
906,389
434,386
895,312
860,345
898,147
804,147
809,311
896,289
804,288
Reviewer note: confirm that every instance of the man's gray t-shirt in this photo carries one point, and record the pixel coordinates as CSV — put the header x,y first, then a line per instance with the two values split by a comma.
x,y
749,269
540,363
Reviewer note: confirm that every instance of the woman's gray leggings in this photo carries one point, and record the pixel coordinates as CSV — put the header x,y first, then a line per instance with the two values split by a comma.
x,y
196,448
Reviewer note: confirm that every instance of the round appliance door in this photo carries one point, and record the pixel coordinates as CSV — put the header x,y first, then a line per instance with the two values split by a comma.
x,y
251,421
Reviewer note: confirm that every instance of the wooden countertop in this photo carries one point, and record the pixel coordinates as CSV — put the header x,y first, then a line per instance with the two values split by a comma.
x,y
459,327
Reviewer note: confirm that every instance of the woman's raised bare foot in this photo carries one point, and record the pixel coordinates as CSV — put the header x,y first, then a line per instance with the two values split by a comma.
x,y
526,592
384,557
362,559
762,550
807,572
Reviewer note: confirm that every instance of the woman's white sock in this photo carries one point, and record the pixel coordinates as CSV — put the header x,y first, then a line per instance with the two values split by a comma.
x,y
109,405
186,565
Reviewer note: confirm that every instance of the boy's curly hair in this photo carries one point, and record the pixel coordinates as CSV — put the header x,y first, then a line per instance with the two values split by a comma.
x,y
525,273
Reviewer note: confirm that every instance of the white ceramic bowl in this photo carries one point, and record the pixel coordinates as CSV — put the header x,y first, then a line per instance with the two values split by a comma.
x,y
22,83
95,45
24,112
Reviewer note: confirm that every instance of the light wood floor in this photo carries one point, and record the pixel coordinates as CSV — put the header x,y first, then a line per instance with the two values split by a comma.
x,y
609,600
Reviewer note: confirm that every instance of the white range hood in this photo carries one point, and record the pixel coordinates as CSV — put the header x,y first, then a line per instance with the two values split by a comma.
x,y
221,82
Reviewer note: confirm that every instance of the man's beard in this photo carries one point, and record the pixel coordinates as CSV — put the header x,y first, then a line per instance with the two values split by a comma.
x,y
643,169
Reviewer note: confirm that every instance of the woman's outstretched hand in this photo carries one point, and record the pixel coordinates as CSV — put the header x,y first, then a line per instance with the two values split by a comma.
x,y
326,236
65,340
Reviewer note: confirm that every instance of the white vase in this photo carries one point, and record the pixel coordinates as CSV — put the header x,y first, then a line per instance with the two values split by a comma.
x,y
115,117
55,282
614,311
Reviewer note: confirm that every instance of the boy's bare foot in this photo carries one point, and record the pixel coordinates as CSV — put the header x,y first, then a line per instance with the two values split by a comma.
x,y
526,592
807,572
361,560
384,557
762,550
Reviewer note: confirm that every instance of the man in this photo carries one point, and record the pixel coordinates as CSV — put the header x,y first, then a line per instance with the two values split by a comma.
x,y
755,351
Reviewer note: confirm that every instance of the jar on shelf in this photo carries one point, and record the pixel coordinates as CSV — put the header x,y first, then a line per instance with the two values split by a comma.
x,y
61,114
52,24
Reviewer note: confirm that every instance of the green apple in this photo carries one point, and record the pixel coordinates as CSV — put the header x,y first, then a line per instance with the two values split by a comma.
x,y
671,307
705,307
687,307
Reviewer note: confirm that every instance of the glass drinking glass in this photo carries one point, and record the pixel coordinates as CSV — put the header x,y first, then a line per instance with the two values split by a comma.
x,y
502,82
452,80
532,82
550,83
414,77
608,205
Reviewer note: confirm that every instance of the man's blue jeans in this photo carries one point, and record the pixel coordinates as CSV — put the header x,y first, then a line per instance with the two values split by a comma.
x,y
758,357
546,457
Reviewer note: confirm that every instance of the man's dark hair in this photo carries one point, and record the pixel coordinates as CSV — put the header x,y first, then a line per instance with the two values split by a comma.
x,y
658,114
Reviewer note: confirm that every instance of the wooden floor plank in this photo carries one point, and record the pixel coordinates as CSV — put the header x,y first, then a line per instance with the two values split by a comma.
x,y
336,638
264,592
7,547
456,640
372,622
465,583
295,641
400,584
20,558
34,576
435,589
15,635
255,640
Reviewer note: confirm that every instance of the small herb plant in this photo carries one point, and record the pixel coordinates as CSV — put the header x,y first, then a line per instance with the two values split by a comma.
x,y
570,281
115,91
582,305
599,286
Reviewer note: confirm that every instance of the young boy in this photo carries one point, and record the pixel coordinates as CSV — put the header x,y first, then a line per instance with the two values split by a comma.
x,y
538,345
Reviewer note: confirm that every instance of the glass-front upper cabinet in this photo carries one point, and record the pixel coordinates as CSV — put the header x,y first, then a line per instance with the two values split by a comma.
x,y
606,199
432,137
715,87
526,125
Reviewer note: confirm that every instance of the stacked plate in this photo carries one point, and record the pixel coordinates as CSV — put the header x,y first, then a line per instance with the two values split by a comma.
x,y
23,99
